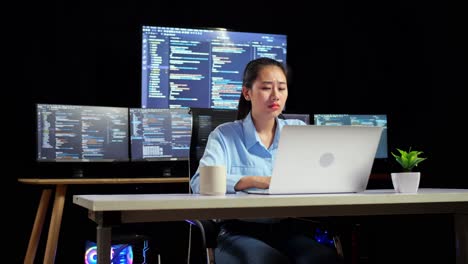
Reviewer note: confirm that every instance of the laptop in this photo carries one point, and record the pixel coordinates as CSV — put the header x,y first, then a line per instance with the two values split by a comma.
x,y
323,159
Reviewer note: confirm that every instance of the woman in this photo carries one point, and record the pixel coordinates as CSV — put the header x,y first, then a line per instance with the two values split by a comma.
x,y
247,147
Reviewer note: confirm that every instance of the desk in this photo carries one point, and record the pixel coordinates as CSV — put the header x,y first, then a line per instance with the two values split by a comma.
x,y
57,210
107,210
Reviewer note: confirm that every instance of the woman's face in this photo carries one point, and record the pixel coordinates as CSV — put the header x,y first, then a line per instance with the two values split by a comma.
x,y
269,92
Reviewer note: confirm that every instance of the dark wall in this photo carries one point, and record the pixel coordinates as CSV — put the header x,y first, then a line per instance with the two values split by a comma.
x,y
405,59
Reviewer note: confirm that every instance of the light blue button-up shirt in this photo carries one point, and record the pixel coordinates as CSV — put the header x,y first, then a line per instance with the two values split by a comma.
x,y
238,146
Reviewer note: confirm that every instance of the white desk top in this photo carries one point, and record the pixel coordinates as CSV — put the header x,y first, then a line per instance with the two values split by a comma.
x,y
107,210
139,202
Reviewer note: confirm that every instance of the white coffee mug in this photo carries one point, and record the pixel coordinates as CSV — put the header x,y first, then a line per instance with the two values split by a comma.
x,y
213,180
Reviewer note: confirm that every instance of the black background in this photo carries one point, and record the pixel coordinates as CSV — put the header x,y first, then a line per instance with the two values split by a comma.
x,y
406,59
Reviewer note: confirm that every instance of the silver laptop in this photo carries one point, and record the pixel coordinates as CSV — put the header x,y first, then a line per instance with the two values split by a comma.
x,y
323,159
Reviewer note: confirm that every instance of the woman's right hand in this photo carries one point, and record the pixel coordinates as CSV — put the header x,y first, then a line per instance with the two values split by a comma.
x,y
260,182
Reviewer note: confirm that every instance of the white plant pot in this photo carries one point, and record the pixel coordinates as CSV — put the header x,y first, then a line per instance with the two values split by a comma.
x,y
406,182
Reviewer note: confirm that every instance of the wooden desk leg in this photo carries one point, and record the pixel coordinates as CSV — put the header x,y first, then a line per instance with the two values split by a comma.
x,y
103,239
37,227
461,238
55,221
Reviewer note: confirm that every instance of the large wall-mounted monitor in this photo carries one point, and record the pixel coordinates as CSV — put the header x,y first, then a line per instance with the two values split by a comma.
x,y
160,134
358,120
202,68
76,133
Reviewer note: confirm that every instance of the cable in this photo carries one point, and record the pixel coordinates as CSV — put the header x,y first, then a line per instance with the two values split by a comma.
x,y
189,244
189,247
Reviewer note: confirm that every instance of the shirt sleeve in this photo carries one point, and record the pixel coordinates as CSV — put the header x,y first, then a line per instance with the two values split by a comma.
x,y
296,122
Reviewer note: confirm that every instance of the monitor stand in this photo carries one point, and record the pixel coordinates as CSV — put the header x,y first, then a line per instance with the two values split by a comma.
x,y
78,172
167,172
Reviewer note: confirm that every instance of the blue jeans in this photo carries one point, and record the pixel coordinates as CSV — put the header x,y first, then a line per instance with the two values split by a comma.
x,y
284,242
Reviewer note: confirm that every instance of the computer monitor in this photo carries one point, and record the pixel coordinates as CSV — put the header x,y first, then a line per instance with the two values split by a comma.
x,y
205,120
77,133
358,120
202,68
302,117
160,134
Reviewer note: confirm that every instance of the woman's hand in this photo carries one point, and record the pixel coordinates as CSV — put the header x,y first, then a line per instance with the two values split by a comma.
x,y
260,182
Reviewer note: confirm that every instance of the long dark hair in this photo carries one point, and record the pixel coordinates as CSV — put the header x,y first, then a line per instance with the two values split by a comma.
x,y
250,75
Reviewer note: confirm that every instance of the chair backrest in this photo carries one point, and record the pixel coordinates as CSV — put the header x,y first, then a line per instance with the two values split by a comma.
x,y
205,120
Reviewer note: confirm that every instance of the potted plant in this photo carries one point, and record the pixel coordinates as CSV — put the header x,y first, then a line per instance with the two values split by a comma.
x,y
407,181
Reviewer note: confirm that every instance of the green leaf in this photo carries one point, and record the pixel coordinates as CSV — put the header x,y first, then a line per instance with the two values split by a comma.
x,y
408,160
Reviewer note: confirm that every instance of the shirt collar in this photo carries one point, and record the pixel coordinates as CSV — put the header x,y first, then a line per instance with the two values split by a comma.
x,y
251,136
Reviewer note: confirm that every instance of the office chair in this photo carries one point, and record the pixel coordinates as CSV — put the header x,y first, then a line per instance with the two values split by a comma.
x,y
209,230
205,120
